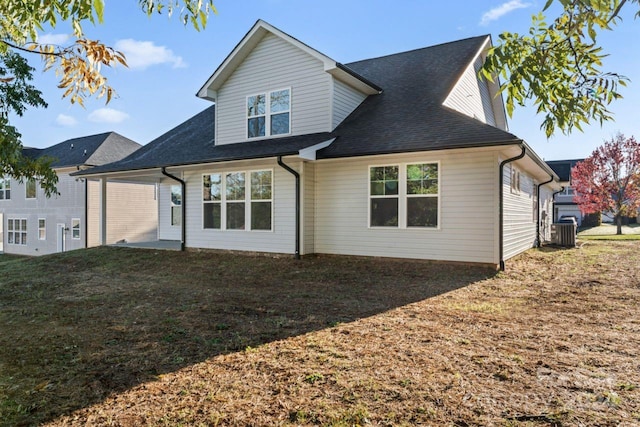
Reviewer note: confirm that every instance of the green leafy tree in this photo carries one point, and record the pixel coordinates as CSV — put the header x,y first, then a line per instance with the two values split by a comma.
x,y
78,65
559,65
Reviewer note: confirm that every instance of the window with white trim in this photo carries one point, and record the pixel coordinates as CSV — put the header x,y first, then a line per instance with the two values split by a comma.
x,y
75,228
16,231
212,200
30,191
42,229
235,191
515,180
404,196
269,113
5,188
238,200
176,205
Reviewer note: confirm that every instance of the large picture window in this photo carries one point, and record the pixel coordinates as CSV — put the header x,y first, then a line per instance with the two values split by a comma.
x,y
238,200
404,196
5,188
269,113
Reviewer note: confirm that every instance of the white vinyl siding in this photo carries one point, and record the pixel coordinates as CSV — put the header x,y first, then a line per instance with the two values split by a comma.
x,y
308,207
281,239
274,63
166,230
345,100
467,220
519,228
546,213
471,95
132,213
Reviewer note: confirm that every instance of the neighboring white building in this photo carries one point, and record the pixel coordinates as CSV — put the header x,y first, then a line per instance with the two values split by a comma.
x,y
563,201
32,224
406,155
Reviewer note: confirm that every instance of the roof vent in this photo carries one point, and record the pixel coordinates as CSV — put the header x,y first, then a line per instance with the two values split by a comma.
x,y
71,147
84,153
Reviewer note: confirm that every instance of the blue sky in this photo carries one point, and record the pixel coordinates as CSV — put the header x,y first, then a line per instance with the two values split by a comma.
x,y
169,62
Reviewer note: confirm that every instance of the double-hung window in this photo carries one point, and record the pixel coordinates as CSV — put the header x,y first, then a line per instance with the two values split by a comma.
x,y
30,189
404,195
237,200
212,200
5,188
42,229
515,180
269,113
16,231
176,205
75,228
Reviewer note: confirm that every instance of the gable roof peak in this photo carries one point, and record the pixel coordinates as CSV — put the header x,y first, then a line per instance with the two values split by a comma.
x,y
251,40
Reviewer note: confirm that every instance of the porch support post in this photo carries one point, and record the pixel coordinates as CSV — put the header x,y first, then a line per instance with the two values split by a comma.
x,y
103,211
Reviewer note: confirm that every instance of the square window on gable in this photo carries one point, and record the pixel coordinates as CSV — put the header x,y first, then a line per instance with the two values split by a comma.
x,y
269,113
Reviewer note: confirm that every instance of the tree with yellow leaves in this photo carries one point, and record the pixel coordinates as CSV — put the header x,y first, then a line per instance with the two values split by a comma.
x,y
78,65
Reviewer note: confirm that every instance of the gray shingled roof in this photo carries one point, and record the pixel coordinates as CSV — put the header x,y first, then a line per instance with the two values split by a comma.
x,y
407,116
93,150
562,168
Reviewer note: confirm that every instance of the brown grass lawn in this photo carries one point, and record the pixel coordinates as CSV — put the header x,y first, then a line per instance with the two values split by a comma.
x,y
129,337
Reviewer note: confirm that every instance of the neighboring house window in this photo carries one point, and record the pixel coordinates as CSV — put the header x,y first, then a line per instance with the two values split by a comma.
x,y
42,229
30,189
75,228
212,201
412,190
269,113
515,180
16,231
5,188
176,205
568,191
240,201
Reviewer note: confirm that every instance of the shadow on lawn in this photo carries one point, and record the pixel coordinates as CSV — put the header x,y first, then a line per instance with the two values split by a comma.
x,y
79,326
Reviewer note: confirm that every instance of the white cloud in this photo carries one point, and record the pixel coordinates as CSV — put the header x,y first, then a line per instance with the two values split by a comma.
x,y
57,39
143,54
64,120
505,8
108,115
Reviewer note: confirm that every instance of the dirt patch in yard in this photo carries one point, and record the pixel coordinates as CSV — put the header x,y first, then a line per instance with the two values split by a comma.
x,y
125,337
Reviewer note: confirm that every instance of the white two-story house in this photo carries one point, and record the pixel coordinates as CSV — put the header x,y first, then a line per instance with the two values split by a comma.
x,y
406,155
33,224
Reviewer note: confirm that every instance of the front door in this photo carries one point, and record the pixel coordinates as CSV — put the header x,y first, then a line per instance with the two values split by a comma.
x,y
60,237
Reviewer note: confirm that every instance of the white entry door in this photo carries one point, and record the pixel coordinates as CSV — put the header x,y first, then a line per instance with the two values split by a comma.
x,y
60,237
1,232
